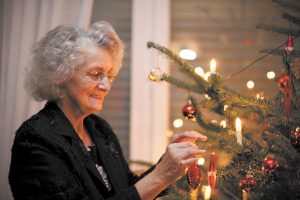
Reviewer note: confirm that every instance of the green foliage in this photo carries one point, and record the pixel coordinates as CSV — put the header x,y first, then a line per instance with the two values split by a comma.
x,y
258,143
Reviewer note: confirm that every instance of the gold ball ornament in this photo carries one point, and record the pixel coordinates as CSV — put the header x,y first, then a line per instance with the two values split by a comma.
x,y
155,75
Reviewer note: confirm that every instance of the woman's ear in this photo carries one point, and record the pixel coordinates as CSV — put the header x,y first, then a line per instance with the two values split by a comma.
x,y
60,91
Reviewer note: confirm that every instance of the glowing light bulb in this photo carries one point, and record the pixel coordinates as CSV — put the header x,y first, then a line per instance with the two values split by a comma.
x,y
188,54
250,84
271,75
213,65
225,107
206,75
199,71
201,161
223,124
207,193
177,123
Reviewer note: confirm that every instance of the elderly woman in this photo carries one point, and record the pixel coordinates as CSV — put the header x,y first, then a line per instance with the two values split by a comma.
x,y
67,152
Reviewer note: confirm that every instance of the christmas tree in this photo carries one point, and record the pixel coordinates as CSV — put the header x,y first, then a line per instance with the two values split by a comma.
x,y
265,160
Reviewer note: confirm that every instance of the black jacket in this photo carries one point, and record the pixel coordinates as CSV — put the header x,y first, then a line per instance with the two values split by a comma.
x,y
50,162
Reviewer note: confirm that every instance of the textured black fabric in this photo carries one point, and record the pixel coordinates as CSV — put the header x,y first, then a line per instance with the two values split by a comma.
x,y
49,161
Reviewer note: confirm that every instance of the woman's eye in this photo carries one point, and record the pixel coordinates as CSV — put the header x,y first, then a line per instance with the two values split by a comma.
x,y
94,73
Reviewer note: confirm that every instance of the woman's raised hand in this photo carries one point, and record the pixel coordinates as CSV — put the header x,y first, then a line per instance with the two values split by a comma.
x,y
181,152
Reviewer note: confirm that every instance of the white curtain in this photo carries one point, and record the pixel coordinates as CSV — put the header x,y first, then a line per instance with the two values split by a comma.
x,y
22,23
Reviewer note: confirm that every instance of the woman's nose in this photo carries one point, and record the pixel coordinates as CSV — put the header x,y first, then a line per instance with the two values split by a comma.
x,y
104,85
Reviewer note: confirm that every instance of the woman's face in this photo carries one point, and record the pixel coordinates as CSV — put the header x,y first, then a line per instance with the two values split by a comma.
x,y
86,90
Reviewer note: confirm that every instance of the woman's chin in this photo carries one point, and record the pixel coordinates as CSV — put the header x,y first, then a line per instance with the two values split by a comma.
x,y
96,104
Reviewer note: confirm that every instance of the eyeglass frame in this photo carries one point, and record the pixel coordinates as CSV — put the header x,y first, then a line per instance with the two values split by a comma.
x,y
99,76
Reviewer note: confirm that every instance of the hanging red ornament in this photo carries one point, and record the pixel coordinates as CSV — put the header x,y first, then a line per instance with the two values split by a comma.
x,y
289,45
269,165
193,175
212,171
295,137
285,86
189,111
248,184
283,81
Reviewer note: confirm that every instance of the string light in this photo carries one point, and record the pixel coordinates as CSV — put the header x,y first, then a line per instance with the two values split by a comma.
x,y
225,107
271,75
201,161
177,123
199,71
223,124
188,54
250,84
206,96
206,75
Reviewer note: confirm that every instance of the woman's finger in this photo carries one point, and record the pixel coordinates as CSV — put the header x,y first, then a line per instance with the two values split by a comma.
x,y
191,136
188,161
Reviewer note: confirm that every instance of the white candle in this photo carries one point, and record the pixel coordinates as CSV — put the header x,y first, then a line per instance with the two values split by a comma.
x,y
213,65
238,130
207,193
245,195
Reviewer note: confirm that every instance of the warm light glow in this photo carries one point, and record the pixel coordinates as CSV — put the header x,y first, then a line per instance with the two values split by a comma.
x,y
177,123
250,84
188,54
238,125
201,161
199,71
169,133
213,65
225,107
271,75
207,193
238,131
206,96
214,121
206,75
223,124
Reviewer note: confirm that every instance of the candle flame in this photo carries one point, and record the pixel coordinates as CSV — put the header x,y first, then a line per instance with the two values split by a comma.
x,y
213,65
207,193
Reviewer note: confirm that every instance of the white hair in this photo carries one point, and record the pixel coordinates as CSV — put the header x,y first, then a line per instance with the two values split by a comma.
x,y
54,58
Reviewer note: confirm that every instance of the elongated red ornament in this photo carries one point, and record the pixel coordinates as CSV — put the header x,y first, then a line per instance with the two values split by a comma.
x,y
212,171
193,175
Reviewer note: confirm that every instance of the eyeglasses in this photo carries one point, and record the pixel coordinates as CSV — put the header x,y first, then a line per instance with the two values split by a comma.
x,y
99,76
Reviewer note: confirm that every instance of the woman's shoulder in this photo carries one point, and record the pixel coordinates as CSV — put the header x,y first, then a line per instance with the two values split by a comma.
x,y
37,126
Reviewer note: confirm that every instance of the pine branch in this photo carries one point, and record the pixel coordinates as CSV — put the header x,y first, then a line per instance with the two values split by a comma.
x,y
197,88
181,62
281,30
245,101
291,4
295,20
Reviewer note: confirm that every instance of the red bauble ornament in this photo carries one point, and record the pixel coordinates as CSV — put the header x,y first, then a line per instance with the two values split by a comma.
x,y
212,171
283,82
193,175
248,184
289,45
269,165
295,137
189,111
